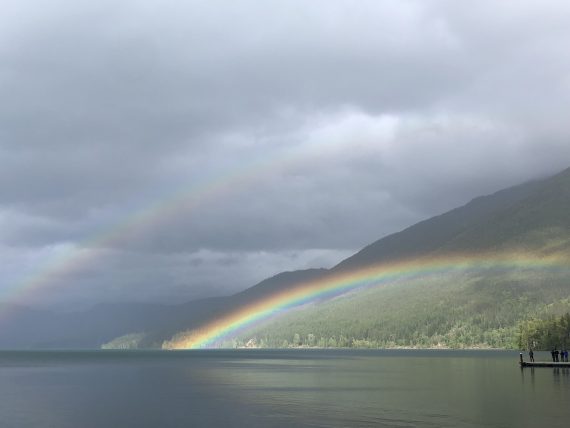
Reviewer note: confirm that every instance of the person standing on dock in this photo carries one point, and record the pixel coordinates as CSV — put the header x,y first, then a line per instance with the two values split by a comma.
x,y
553,356
531,355
556,353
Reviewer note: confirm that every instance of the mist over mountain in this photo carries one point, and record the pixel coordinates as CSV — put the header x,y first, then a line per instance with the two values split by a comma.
x,y
439,232
454,310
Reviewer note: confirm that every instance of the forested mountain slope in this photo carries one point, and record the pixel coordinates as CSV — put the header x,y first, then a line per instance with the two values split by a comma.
x,y
470,309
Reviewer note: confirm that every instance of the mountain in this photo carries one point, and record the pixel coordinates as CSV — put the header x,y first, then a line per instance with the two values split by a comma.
x,y
452,309
482,308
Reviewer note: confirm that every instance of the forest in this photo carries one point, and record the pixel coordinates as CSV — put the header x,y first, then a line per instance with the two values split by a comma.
x,y
507,310
545,334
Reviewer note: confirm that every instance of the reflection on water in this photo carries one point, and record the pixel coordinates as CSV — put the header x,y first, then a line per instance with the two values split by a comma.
x,y
280,388
561,378
528,372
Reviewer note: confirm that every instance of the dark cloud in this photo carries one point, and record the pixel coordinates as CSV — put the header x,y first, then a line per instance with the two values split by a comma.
x,y
192,148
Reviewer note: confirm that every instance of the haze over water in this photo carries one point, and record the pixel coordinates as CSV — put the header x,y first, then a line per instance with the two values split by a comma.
x,y
268,388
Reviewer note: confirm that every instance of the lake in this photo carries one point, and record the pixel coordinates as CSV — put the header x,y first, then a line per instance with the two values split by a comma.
x,y
280,388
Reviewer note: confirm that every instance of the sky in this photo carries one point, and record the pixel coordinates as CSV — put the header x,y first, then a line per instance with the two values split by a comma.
x,y
162,151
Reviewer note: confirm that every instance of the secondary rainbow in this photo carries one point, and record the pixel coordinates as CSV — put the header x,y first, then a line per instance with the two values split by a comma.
x,y
55,269
235,322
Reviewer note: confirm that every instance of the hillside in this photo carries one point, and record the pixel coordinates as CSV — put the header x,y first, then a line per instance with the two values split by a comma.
x,y
452,311
472,309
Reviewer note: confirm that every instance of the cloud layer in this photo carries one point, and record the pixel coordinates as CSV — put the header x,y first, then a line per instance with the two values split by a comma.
x,y
194,148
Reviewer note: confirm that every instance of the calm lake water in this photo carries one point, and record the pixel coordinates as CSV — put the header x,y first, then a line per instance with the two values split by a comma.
x,y
247,388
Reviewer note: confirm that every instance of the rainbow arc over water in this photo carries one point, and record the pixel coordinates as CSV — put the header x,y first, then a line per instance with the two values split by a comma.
x,y
55,270
248,316
65,260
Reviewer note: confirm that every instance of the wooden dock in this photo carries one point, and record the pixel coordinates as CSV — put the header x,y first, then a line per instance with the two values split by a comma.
x,y
542,363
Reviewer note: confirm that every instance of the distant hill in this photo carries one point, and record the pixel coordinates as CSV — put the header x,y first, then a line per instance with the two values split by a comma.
x,y
127,325
455,309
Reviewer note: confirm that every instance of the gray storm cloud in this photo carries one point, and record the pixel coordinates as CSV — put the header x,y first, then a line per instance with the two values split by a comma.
x,y
260,136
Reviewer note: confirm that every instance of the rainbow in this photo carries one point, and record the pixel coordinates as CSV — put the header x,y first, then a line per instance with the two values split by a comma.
x,y
64,260
248,316
67,259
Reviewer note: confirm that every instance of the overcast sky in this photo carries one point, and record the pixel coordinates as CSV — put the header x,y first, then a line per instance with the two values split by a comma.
x,y
169,150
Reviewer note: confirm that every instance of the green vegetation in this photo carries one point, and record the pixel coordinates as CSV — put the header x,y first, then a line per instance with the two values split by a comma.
x,y
453,311
476,309
128,341
545,334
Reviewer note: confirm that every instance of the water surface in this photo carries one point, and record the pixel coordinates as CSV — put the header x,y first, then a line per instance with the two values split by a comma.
x,y
279,388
